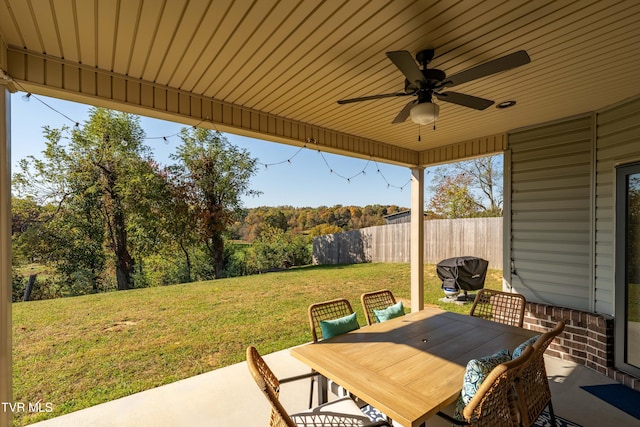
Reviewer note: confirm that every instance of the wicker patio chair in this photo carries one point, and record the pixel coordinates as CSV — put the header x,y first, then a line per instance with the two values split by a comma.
x,y
323,311
341,412
377,300
328,310
501,307
532,385
493,404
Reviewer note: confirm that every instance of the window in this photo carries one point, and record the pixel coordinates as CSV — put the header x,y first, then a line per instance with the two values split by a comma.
x,y
627,263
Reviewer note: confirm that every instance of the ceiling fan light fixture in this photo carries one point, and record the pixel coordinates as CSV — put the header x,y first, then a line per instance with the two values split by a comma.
x,y
424,113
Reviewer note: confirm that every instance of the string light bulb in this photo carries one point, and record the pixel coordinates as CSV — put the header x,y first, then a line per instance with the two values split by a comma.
x,y
26,97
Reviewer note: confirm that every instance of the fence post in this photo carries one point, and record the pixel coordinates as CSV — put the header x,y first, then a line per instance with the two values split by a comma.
x,y
29,288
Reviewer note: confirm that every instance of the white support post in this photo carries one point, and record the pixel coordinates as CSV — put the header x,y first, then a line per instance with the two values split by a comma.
x,y
5,257
417,239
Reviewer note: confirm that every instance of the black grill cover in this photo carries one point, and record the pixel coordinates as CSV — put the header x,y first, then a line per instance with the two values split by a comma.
x,y
466,273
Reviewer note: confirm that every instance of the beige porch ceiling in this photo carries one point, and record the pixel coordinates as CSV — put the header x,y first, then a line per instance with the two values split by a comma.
x,y
275,69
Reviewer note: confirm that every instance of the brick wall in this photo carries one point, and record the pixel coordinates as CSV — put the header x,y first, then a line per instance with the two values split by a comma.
x,y
586,340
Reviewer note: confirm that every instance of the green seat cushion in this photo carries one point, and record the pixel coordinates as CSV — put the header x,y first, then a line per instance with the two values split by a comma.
x,y
393,311
341,325
476,372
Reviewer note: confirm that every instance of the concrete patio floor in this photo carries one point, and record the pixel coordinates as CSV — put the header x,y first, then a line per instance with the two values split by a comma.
x,y
229,397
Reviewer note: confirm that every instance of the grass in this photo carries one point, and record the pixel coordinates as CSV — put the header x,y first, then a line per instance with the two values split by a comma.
x,y
40,269
82,351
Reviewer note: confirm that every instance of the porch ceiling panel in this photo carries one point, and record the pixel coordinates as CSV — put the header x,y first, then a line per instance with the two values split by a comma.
x,y
294,59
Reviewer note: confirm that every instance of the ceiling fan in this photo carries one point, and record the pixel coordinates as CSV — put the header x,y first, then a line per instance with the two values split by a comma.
x,y
429,82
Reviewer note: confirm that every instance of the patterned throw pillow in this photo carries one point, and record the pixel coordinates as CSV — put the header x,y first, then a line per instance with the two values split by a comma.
x,y
476,373
519,349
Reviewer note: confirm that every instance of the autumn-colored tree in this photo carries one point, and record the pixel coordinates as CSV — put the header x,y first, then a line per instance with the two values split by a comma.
x,y
277,219
322,229
452,198
216,174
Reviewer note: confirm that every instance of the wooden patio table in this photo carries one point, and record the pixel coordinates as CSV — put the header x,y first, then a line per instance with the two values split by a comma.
x,y
413,366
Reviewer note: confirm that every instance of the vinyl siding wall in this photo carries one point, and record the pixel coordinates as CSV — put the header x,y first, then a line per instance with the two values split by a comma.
x,y
559,236
618,143
550,221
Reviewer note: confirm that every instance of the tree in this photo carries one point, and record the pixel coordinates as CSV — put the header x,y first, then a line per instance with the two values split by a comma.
x,y
93,181
485,176
276,218
163,222
452,198
483,182
215,175
322,229
26,217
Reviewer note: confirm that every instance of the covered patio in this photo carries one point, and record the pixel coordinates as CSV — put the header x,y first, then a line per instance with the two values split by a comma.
x,y
229,397
274,70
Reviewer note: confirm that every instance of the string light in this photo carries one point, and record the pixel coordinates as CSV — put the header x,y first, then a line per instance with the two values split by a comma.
x,y
309,140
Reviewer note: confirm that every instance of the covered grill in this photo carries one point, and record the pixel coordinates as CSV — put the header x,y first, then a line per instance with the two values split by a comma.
x,y
465,273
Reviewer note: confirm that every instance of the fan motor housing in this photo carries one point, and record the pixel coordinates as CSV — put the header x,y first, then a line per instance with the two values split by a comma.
x,y
432,77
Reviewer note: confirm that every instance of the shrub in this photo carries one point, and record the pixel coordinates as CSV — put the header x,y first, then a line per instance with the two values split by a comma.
x,y
275,249
18,286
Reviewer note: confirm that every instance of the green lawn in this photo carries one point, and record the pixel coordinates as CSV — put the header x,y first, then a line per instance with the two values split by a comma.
x,y
81,351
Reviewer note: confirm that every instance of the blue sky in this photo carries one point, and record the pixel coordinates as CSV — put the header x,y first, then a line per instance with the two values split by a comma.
x,y
307,180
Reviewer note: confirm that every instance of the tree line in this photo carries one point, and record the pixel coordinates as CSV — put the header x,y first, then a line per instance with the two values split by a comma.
x,y
312,221
102,214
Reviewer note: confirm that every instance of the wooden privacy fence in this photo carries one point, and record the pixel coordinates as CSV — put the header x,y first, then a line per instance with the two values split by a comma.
x,y
444,238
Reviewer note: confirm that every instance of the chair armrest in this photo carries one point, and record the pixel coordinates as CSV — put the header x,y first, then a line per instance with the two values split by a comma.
x,y
452,420
297,377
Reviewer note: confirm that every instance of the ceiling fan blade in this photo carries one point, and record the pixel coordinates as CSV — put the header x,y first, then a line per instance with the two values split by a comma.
x,y
465,100
370,97
504,63
405,63
404,113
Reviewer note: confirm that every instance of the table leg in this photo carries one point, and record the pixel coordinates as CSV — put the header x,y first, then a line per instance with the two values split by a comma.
x,y
323,386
